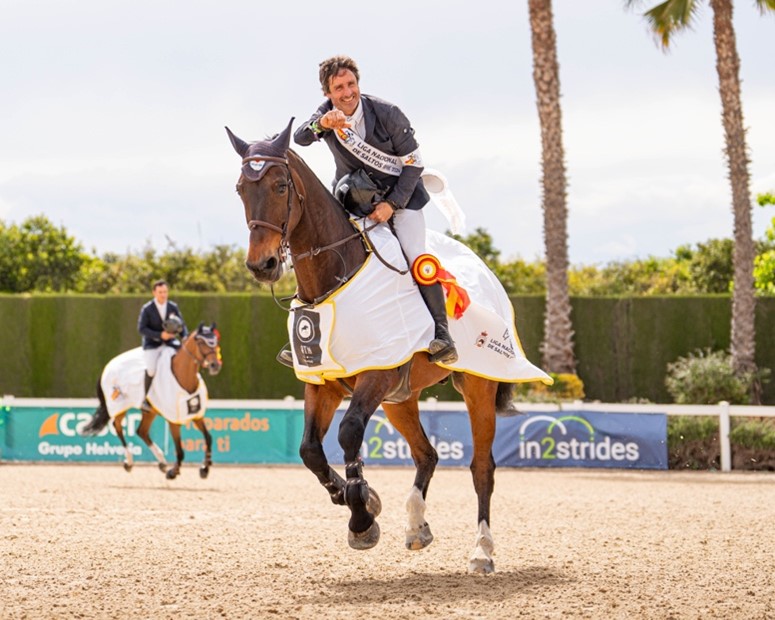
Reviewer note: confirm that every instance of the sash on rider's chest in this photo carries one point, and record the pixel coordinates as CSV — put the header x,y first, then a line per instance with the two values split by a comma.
x,y
372,157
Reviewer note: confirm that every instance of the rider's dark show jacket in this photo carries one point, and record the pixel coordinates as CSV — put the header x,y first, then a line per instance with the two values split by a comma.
x,y
149,324
388,130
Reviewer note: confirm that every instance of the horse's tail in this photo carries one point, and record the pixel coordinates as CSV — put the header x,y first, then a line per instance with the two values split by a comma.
x,y
101,416
503,398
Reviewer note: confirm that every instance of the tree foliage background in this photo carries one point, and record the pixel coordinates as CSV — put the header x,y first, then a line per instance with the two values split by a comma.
x,y
37,256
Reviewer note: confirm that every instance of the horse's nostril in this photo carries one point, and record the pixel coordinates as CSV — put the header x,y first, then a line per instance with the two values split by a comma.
x,y
258,268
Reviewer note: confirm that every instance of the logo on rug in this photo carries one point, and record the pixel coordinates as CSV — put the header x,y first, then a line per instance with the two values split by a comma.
x,y
194,404
306,337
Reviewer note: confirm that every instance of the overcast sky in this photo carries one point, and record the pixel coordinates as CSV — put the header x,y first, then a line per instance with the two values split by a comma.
x,y
112,114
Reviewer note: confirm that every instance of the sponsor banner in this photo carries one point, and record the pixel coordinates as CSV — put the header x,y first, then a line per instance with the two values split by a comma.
x,y
583,439
239,436
448,431
253,436
563,439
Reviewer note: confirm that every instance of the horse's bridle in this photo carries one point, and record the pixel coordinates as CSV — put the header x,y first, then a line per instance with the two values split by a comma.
x,y
212,352
282,230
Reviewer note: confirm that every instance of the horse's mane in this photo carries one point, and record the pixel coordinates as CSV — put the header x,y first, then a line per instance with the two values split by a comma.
x,y
320,187
328,225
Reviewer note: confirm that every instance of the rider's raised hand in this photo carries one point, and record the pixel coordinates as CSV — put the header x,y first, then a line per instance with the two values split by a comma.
x,y
333,119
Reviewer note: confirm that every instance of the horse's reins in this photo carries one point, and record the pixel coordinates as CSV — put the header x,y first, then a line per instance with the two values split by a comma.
x,y
312,252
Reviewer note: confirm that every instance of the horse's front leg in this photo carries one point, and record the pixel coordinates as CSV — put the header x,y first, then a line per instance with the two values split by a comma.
x,y
370,389
144,433
128,458
174,471
204,470
320,403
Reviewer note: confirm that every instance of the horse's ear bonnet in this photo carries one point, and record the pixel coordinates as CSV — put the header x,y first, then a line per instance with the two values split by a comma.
x,y
209,335
253,167
173,325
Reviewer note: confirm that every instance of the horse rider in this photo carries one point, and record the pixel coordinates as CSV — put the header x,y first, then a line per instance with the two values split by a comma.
x,y
367,134
161,324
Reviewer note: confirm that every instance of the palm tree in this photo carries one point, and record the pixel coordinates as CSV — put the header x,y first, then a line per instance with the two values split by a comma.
x,y
557,347
669,18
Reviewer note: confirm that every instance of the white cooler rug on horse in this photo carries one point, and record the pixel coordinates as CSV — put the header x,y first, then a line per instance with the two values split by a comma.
x,y
123,383
379,320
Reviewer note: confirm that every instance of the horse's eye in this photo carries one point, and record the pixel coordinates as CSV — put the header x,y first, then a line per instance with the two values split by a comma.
x,y
282,188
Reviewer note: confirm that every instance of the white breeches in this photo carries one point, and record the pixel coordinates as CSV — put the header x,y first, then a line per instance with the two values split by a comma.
x,y
151,359
410,230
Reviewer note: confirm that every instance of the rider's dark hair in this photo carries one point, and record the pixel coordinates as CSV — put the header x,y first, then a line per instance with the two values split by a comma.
x,y
331,67
159,283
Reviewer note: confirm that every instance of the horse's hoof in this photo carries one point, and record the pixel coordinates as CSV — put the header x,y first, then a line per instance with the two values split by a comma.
x,y
364,540
163,467
204,472
172,474
127,467
481,566
373,504
419,538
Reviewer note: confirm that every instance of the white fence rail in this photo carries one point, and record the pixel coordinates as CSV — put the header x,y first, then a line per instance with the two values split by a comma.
x,y
723,410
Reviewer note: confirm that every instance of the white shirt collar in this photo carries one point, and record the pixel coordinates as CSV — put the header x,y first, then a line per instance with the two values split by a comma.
x,y
162,308
357,121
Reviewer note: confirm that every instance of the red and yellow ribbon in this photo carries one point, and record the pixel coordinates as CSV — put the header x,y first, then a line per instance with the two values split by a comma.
x,y
427,270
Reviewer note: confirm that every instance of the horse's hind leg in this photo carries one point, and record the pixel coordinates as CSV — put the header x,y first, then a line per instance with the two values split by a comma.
x,y
143,432
480,395
174,471
405,418
204,470
128,458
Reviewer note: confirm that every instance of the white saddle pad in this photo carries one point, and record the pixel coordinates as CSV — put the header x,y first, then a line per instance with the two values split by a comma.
x,y
123,383
379,320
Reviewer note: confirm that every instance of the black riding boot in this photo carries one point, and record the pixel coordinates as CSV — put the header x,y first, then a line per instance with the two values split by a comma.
x,y
442,348
148,381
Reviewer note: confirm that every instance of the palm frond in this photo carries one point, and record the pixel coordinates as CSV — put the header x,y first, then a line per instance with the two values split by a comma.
x,y
765,5
672,16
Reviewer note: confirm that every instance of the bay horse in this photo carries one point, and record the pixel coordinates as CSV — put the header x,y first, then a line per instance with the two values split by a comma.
x,y
200,349
290,212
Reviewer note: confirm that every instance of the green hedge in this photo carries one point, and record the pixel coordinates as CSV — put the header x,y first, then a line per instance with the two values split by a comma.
x,y
57,345
693,443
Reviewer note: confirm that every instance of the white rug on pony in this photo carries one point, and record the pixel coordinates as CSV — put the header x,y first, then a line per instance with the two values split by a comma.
x,y
379,320
123,383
